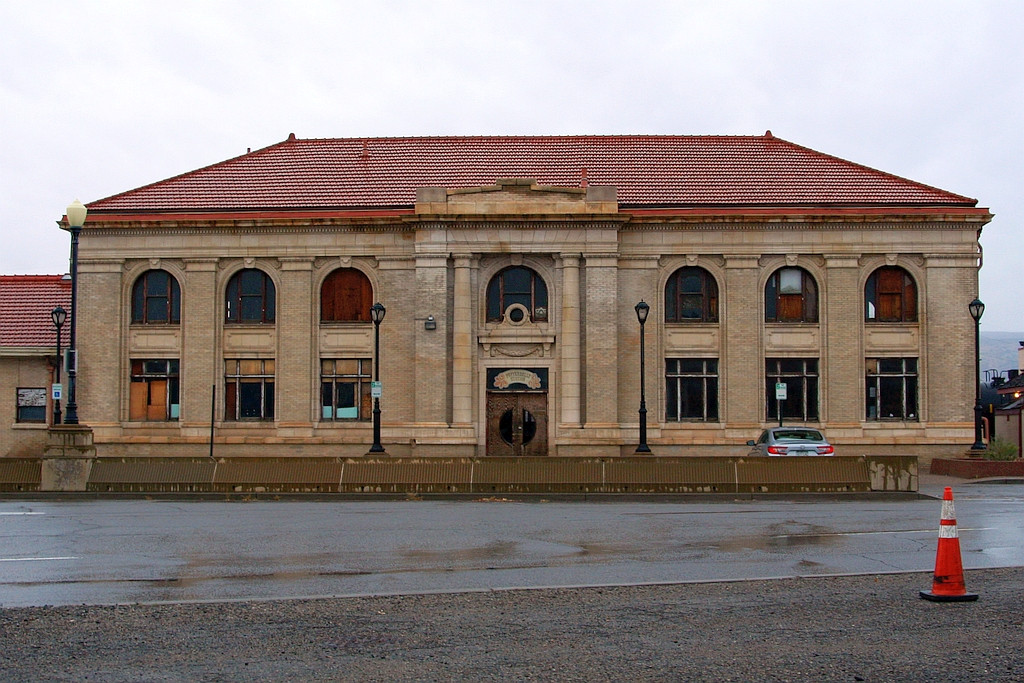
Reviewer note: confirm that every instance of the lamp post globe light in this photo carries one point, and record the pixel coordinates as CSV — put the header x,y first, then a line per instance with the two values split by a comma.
x,y
377,312
642,310
58,316
76,213
977,309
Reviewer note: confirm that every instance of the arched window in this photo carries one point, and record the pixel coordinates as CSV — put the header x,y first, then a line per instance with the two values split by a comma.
x,y
791,296
346,296
691,295
517,285
890,296
250,297
156,298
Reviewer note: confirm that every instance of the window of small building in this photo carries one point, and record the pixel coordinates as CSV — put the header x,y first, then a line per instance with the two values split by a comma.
x,y
31,405
517,285
346,296
345,389
691,389
891,385
890,296
791,296
153,394
156,298
250,297
800,375
691,295
248,389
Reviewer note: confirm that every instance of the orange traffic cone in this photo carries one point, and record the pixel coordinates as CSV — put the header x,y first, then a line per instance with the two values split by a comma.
x,y
948,585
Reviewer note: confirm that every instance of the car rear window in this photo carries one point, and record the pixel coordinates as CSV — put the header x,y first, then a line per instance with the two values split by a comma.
x,y
799,435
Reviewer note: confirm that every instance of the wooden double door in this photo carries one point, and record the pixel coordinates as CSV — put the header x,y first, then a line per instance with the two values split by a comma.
x,y
517,423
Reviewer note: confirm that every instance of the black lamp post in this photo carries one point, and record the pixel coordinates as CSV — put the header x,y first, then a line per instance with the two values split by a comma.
x,y
977,308
76,213
642,309
58,316
377,312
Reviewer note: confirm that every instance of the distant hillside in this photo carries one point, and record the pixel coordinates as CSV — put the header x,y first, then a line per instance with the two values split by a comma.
x,y
999,351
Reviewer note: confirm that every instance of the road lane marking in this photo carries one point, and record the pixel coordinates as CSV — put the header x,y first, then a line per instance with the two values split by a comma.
x,y
37,559
875,533
20,513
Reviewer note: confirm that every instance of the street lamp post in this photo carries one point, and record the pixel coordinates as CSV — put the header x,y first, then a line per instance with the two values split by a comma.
x,y
977,308
76,213
642,309
377,312
58,316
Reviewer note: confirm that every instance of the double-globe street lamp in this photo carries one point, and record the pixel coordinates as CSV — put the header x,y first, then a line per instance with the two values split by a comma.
x,y
977,308
377,312
58,316
642,309
76,213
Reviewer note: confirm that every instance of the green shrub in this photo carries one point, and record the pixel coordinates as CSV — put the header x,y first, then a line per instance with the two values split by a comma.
x,y
998,449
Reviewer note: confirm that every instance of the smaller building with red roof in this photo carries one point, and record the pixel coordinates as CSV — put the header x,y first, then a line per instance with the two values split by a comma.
x,y
28,353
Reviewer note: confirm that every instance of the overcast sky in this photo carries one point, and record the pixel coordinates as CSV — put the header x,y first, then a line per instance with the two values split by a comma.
x,y
101,97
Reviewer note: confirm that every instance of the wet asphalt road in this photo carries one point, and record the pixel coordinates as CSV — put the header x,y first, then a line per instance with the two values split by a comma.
x,y
58,552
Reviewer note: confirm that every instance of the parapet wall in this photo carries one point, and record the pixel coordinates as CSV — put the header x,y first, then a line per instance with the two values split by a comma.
x,y
445,476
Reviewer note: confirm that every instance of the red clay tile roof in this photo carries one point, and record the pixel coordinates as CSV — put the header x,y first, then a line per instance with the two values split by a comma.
x,y
25,305
648,170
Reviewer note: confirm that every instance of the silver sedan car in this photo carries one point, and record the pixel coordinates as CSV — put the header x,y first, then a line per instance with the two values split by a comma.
x,y
791,441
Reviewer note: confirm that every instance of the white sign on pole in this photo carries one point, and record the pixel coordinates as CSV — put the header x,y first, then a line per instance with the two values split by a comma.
x,y
780,391
58,389
375,390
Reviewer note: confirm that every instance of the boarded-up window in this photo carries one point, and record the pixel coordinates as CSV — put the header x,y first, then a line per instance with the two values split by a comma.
x,y
153,392
346,296
890,295
791,296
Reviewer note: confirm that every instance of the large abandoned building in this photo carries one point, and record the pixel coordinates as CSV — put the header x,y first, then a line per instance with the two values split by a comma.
x,y
235,300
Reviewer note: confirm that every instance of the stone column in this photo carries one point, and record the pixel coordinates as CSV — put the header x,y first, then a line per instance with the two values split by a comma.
x,y
462,343
200,354
842,344
602,352
742,363
569,343
295,374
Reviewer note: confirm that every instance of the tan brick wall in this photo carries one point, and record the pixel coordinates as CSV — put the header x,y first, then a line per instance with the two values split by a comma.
x,y
949,338
842,358
742,364
27,372
200,363
601,309
102,372
295,368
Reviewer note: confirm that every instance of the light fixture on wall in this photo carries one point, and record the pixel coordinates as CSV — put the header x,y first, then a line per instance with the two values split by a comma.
x,y
430,323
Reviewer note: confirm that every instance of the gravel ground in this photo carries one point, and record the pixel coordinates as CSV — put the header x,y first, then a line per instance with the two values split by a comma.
x,y
865,628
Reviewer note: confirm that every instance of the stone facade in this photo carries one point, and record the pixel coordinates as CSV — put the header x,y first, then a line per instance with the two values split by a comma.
x,y
432,267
